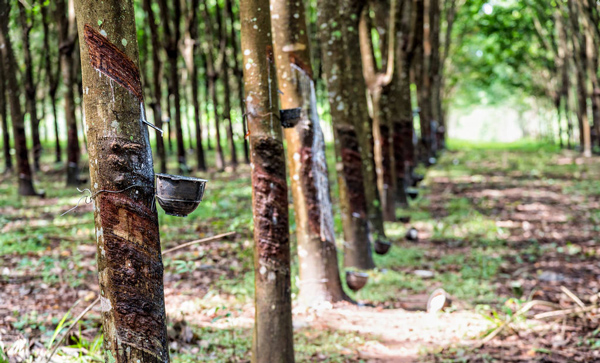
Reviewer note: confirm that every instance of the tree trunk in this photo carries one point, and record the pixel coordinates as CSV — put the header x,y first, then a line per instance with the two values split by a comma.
x,y
319,274
204,60
30,87
563,50
171,40
435,73
237,71
53,79
65,16
358,111
227,87
211,75
353,203
273,331
8,165
592,71
129,259
401,106
580,60
18,126
380,85
156,84
192,38
421,70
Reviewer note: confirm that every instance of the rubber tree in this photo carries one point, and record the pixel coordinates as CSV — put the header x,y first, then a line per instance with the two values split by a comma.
x,y
434,73
238,73
157,74
170,19
332,19
52,75
8,165
224,34
129,259
359,113
273,332
12,93
65,16
401,107
26,19
450,9
379,84
192,42
590,24
319,274
211,79
421,69
578,39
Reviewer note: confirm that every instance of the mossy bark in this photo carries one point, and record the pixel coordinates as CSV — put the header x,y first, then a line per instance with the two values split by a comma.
x,y
122,181
16,114
319,274
273,331
332,19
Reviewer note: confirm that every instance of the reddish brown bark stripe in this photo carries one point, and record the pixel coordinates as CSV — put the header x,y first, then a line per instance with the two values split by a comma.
x,y
133,268
352,163
114,63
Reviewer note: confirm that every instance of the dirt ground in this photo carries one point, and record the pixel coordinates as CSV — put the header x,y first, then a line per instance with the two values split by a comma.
x,y
545,286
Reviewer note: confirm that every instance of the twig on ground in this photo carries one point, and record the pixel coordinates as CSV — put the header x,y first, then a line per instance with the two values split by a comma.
x,y
198,241
578,310
572,296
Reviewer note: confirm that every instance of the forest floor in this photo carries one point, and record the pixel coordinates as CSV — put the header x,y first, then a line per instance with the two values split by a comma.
x,y
511,232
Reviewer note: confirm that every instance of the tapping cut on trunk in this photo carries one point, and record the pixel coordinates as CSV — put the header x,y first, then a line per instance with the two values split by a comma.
x,y
128,266
110,60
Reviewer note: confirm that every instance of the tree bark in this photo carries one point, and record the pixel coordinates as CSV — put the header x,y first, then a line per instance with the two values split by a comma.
x,y
129,259
156,84
319,274
8,165
349,165
18,126
273,331
26,21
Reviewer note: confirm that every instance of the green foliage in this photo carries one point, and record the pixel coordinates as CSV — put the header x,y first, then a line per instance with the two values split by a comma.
x,y
496,56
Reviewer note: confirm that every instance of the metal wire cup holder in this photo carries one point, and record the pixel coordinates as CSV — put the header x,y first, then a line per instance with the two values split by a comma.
x,y
179,195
